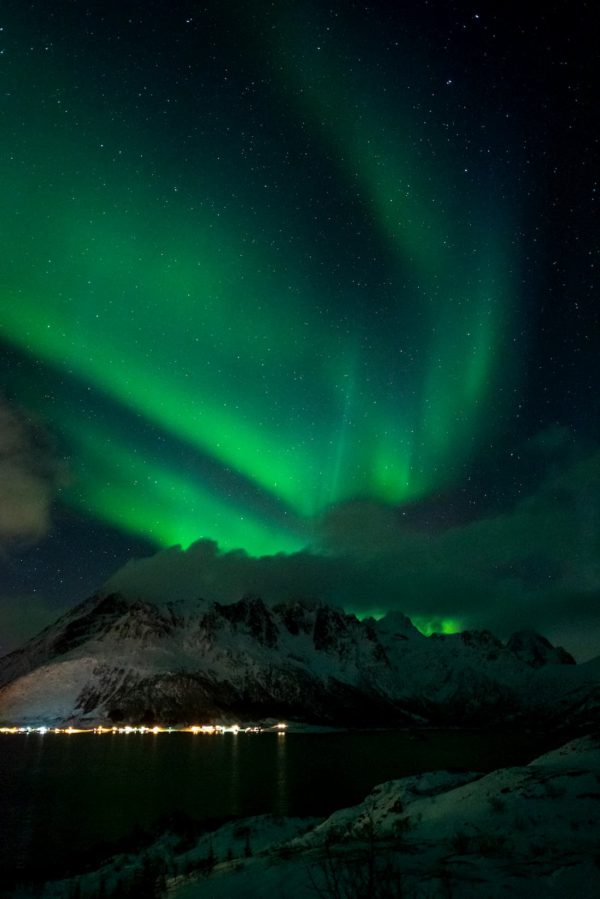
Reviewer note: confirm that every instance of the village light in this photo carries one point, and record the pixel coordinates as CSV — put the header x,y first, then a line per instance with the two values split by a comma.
x,y
142,729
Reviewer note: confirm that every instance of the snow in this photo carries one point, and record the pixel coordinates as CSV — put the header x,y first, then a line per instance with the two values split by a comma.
x,y
530,830
525,831
48,695
304,657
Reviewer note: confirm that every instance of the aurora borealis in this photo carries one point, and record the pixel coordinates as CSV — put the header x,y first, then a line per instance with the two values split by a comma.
x,y
266,263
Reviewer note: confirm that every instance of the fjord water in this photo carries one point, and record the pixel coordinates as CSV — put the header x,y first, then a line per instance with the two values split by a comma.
x,y
64,798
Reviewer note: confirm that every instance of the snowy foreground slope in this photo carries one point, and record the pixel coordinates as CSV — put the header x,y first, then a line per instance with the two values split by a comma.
x,y
118,658
526,832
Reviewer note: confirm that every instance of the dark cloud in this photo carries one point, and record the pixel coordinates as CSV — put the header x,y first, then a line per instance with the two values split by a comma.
x,y
536,565
203,571
30,475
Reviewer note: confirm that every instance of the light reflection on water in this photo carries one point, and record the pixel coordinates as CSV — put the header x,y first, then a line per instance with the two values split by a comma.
x,y
281,804
64,795
234,777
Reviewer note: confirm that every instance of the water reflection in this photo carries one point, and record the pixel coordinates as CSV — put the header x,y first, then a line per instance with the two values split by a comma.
x,y
281,797
32,795
234,773
66,795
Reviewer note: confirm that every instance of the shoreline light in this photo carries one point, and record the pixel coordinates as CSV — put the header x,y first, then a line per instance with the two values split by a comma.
x,y
203,729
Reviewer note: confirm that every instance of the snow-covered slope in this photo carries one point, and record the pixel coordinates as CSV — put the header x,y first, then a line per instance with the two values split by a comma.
x,y
526,831
117,658
522,832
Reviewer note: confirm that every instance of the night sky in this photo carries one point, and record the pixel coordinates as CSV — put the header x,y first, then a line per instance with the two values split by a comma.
x,y
310,281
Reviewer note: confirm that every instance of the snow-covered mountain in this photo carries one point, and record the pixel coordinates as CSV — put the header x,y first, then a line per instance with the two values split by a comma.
x,y
119,658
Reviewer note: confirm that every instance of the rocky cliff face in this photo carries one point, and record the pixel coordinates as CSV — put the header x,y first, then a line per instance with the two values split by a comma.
x,y
119,659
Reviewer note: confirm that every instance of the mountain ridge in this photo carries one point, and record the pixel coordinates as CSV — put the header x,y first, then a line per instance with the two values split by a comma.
x,y
116,658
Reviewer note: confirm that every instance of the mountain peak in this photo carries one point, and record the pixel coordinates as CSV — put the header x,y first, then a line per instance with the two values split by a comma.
x,y
535,650
396,626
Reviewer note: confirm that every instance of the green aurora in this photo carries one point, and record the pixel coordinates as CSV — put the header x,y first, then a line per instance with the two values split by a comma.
x,y
207,308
